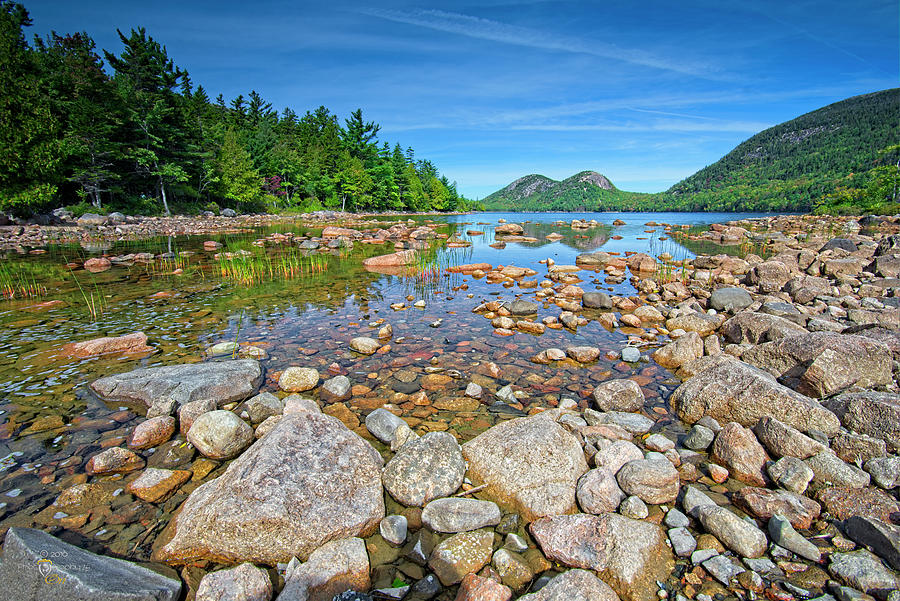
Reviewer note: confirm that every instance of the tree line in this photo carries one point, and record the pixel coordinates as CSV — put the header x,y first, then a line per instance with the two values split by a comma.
x,y
131,131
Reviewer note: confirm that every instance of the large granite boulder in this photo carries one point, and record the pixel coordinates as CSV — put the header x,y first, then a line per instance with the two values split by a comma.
x,y
573,585
424,469
530,465
758,327
220,381
629,555
334,568
873,413
37,566
731,390
308,481
820,364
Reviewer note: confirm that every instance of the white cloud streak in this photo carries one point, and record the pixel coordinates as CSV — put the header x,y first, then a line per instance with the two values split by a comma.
x,y
495,31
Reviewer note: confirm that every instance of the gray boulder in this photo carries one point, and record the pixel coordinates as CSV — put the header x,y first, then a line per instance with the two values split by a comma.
x,y
872,413
820,364
37,566
731,390
245,582
308,481
92,220
220,434
629,555
864,571
382,424
598,492
784,535
829,469
425,469
596,300
573,585
460,514
731,300
530,465
653,480
333,569
758,327
883,539
523,307
220,381
784,441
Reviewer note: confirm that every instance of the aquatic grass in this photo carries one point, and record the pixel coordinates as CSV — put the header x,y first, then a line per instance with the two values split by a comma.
x,y
95,305
249,268
20,281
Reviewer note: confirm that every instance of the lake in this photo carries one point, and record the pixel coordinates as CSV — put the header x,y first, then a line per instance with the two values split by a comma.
x,y
302,308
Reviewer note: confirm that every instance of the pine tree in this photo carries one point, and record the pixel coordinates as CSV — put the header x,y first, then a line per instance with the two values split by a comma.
x,y
83,101
146,79
30,152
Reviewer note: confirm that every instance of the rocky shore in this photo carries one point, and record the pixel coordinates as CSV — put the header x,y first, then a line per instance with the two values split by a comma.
x,y
94,229
766,467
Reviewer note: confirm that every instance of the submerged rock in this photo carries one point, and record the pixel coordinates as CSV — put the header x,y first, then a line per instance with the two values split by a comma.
x,y
220,381
310,480
135,343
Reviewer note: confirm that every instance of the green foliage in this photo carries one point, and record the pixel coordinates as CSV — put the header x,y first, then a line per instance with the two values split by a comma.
x,y
875,191
30,149
836,159
238,180
794,165
145,139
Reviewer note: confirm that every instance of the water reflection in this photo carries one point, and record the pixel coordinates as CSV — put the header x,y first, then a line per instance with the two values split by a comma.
x,y
177,295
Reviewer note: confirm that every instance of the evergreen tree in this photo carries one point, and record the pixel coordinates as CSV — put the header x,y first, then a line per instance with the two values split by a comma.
x,y
146,79
83,101
30,151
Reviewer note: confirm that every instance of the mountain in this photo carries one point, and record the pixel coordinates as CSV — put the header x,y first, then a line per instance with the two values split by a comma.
x,y
587,190
792,166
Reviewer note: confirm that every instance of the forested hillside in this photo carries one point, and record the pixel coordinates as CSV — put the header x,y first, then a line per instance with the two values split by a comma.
x,y
130,130
798,164
844,158
584,191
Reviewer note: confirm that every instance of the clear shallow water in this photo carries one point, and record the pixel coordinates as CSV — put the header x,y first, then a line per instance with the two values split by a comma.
x,y
305,321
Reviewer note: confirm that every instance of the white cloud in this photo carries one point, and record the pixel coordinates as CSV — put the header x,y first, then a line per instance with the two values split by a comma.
x,y
495,31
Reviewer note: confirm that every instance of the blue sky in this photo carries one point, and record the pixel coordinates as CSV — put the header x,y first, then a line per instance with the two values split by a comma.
x,y
643,92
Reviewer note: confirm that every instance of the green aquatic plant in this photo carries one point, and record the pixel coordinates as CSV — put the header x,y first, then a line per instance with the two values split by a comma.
x,y
93,300
20,280
248,268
